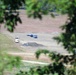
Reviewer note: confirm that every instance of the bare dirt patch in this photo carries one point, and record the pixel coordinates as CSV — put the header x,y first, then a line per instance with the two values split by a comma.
x,y
46,25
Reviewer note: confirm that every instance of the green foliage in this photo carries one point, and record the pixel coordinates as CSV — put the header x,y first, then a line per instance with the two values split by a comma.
x,y
8,62
72,71
11,20
58,58
37,8
34,8
68,38
40,52
39,71
60,63
59,66
2,8
9,14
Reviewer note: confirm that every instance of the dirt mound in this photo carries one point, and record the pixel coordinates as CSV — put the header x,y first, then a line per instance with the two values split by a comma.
x,y
32,44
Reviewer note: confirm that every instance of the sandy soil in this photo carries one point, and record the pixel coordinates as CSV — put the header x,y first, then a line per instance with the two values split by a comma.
x,y
46,25
43,28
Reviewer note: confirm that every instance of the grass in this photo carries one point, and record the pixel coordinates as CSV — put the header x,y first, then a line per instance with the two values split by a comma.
x,y
24,67
7,44
27,66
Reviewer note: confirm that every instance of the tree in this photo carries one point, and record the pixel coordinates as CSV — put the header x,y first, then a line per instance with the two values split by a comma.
x,y
9,14
37,8
8,62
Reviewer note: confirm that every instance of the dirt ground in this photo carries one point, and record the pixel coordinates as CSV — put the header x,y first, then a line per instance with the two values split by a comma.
x,y
30,25
46,25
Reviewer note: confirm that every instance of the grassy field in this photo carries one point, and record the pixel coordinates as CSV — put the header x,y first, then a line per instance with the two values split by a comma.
x,y
7,44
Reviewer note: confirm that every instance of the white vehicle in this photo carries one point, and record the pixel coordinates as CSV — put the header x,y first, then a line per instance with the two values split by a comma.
x,y
16,40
